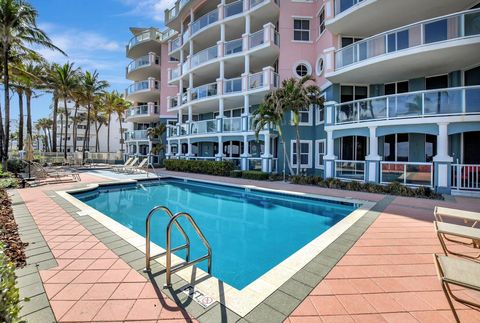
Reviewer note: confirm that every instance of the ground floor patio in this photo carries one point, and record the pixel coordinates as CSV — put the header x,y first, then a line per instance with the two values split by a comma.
x,y
79,271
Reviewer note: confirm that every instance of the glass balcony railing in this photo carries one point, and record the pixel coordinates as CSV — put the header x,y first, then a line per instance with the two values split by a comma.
x,y
167,33
233,85
137,111
204,56
174,73
233,8
175,44
458,25
256,39
205,126
185,36
204,21
137,86
350,169
140,38
173,102
254,3
407,173
342,5
204,91
255,80
449,101
232,124
140,62
136,135
233,47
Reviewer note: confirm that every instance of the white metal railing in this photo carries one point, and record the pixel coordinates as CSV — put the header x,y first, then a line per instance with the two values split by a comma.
x,y
233,47
407,173
205,20
233,8
204,91
204,56
256,39
174,73
465,176
204,126
136,135
232,124
449,101
232,85
350,169
140,62
453,26
255,80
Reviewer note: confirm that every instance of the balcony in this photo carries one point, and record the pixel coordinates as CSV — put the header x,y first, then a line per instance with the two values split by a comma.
x,y
136,135
203,92
204,21
232,124
354,17
143,67
449,102
429,47
144,91
143,113
203,127
144,42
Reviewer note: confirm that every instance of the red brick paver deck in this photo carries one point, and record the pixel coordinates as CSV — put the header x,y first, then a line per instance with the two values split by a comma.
x,y
91,283
389,275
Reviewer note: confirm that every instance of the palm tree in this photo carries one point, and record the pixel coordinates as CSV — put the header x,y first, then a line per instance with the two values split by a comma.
x,y
45,124
268,113
51,86
157,133
18,29
79,99
296,95
32,80
92,86
66,80
19,89
110,101
120,108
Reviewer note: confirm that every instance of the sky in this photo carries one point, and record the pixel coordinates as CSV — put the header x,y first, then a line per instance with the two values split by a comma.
x,y
93,33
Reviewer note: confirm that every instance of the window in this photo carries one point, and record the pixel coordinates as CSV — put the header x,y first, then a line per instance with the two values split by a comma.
x,y
301,29
349,40
350,93
321,18
302,68
319,114
305,116
396,147
320,152
430,147
319,66
353,148
396,88
305,153
436,82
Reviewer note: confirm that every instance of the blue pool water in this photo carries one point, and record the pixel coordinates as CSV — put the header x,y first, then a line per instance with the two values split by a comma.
x,y
250,232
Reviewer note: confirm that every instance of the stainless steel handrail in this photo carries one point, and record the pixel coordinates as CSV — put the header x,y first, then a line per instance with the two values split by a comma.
x,y
187,263
148,258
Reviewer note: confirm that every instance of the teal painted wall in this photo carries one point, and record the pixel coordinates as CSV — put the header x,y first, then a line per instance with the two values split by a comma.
x,y
454,147
416,149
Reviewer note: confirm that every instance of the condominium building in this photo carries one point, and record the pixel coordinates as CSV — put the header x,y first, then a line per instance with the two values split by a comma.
x,y
401,81
148,70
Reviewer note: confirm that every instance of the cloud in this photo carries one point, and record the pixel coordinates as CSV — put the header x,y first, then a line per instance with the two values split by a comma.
x,y
153,9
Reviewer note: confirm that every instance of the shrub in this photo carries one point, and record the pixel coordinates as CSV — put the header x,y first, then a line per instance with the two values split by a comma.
x,y
8,182
236,173
256,175
221,168
15,166
9,295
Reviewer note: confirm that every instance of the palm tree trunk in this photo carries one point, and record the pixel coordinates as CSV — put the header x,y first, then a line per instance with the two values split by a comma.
x,y
54,128
61,133
2,134
298,150
45,141
108,135
280,134
28,96
6,85
87,129
75,128
20,118
66,129
121,134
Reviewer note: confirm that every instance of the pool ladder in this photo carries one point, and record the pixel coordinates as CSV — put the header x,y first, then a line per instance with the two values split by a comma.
x,y
168,253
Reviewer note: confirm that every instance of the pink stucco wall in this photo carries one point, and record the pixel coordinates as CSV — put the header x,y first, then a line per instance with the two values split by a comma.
x,y
166,89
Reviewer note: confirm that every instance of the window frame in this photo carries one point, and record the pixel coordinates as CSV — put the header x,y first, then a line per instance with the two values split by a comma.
x,y
319,165
310,117
292,152
308,19
320,23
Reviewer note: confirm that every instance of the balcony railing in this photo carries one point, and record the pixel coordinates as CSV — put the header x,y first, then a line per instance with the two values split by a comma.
x,y
204,21
174,73
466,176
204,126
136,135
255,80
232,124
430,31
233,85
233,8
256,39
407,173
141,110
137,86
204,56
449,101
175,43
204,91
233,46
141,62
143,37
173,12
342,5
350,169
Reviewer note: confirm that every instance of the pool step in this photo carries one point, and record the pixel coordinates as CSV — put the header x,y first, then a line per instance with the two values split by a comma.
x,y
168,253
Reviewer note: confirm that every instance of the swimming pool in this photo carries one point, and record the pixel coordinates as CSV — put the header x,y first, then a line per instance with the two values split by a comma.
x,y
250,231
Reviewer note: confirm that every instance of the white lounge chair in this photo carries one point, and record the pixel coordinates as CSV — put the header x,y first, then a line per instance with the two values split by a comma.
x,y
444,229
137,168
127,162
467,216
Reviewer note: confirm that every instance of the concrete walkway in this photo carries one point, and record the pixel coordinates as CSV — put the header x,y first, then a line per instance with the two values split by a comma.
x,y
387,276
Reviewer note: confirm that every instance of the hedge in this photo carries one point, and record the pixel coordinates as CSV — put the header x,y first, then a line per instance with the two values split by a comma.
x,y
251,174
394,188
221,168
9,294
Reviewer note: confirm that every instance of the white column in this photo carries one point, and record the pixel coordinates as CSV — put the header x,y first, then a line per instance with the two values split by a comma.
x,y
190,117
219,155
245,155
189,148
372,161
221,103
246,112
247,24
442,143
329,158
267,155
442,161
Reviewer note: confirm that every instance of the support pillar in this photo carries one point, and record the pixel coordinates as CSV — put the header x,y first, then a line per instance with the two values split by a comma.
x,y
219,156
442,161
372,161
267,156
329,158
245,154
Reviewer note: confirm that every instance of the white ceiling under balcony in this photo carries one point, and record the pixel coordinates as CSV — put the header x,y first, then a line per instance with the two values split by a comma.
x,y
434,59
371,17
